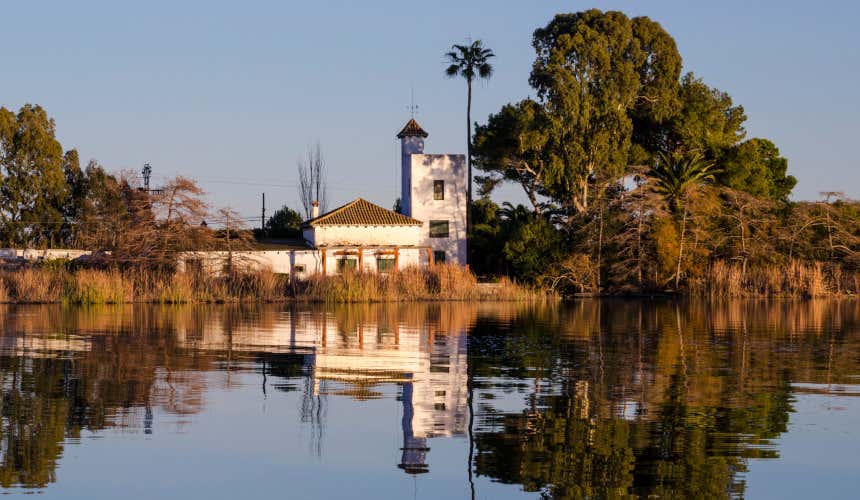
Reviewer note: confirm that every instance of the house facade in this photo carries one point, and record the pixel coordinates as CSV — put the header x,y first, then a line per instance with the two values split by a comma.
x,y
357,236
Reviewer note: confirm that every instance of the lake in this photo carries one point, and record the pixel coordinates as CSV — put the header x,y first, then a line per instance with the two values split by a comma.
x,y
596,398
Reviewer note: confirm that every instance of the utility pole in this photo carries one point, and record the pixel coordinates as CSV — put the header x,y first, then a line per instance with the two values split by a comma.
x,y
229,248
263,217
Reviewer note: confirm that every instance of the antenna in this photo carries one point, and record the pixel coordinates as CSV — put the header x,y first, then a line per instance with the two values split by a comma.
x,y
146,172
413,108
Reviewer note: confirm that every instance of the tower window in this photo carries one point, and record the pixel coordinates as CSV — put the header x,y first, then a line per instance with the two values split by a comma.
x,y
439,256
438,229
438,190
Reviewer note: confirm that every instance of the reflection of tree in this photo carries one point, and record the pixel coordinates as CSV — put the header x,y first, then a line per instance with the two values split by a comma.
x,y
648,398
34,414
557,452
56,385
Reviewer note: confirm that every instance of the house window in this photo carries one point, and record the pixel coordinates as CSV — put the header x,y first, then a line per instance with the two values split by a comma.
x,y
346,265
438,190
439,256
298,269
384,265
438,229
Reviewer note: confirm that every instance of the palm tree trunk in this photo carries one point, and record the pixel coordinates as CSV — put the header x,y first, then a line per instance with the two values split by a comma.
x,y
468,167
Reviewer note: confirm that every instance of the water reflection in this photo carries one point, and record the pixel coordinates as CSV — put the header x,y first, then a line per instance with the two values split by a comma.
x,y
593,399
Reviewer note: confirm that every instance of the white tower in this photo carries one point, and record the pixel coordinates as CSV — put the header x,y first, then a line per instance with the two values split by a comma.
x,y
433,191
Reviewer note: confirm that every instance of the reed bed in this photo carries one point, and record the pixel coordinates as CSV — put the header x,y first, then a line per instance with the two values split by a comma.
x,y
446,282
36,285
443,282
114,286
794,279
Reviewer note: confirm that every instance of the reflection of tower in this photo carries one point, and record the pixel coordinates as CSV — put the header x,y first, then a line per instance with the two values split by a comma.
x,y
414,457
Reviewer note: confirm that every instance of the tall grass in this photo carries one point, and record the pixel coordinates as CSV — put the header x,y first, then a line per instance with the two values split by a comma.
x,y
794,279
100,287
36,285
442,282
114,286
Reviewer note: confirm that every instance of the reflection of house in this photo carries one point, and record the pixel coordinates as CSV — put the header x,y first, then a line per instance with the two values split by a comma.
x,y
362,235
47,347
350,358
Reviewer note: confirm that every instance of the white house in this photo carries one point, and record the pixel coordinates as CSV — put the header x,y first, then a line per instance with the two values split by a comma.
x,y
362,235
357,236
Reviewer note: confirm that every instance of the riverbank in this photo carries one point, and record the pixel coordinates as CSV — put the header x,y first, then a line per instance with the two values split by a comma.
x,y
59,284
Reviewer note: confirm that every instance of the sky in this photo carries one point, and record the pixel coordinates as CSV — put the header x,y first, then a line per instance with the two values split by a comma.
x,y
233,93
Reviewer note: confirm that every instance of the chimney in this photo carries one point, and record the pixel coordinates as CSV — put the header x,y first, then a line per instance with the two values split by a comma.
x,y
315,211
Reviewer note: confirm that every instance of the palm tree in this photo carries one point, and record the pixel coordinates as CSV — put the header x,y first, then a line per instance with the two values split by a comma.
x,y
469,62
674,179
675,176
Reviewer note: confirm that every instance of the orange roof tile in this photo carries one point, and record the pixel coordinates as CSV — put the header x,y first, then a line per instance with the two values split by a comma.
x,y
361,212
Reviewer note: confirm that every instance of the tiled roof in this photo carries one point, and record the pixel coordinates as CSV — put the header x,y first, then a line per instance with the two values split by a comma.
x,y
361,212
412,129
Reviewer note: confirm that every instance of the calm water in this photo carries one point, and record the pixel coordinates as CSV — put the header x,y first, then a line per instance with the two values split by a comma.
x,y
592,399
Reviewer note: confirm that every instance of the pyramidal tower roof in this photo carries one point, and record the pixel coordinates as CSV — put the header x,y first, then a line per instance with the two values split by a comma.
x,y
412,129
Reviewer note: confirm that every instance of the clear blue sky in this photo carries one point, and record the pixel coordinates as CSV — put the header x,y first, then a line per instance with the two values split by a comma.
x,y
231,93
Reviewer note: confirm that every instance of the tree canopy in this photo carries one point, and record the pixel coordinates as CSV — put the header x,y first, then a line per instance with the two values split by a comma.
x,y
32,180
284,223
592,72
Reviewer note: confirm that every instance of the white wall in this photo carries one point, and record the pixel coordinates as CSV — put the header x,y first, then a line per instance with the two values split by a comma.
x,y
45,254
363,235
408,147
278,261
424,169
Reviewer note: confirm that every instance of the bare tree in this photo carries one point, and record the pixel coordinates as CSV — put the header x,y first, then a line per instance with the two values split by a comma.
x,y
313,185
233,238
752,220
180,209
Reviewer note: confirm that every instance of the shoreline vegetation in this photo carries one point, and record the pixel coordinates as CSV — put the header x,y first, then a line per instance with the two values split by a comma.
x,y
58,283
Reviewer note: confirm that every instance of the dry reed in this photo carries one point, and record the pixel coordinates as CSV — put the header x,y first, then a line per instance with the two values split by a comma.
x,y
35,285
100,287
112,286
794,279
